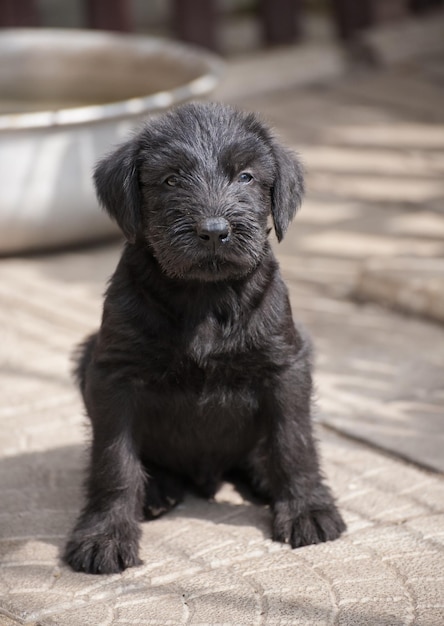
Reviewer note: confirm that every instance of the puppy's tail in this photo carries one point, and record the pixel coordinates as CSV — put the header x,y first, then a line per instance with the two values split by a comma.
x,y
81,359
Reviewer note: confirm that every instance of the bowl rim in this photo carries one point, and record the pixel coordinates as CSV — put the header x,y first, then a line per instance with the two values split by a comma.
x,y
130,107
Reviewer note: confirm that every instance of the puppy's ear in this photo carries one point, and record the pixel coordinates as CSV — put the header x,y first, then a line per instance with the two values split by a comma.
x,y
287,190
117,187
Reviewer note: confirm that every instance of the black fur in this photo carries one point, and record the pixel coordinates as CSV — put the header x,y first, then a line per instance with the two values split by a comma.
x,y
198,368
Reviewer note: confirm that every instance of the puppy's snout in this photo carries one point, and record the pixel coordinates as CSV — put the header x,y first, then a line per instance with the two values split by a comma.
x,y
214,231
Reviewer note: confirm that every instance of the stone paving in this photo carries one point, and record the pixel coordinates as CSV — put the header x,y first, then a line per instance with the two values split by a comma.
x,y
375,191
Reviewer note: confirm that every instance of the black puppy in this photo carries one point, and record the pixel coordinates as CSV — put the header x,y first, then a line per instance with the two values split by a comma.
x,y
197,368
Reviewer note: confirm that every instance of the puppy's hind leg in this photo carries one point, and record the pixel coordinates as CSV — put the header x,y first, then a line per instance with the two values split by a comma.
x,y
163,491
82,358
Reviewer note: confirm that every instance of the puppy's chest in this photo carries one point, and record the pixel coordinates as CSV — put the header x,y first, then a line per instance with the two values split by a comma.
x,y
211,340
213,353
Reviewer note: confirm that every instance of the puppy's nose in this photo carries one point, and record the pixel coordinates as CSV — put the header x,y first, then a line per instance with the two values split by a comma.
x,y
214,231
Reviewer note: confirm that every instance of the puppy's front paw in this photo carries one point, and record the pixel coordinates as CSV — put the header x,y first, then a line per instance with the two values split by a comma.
x,y
99,549
302,528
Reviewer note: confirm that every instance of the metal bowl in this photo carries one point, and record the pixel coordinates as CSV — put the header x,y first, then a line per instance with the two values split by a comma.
x,y
66,97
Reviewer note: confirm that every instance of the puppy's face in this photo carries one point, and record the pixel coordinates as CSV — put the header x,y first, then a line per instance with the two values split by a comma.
x,y
205,183
197,186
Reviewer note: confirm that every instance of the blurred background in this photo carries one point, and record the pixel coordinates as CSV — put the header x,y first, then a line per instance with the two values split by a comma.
x,y
228,26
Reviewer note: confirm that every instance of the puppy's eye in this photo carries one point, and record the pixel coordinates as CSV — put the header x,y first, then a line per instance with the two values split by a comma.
x,y
245,178
171,181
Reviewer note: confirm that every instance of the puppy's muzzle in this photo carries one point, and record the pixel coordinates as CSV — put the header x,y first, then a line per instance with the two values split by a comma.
x,y
213,231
